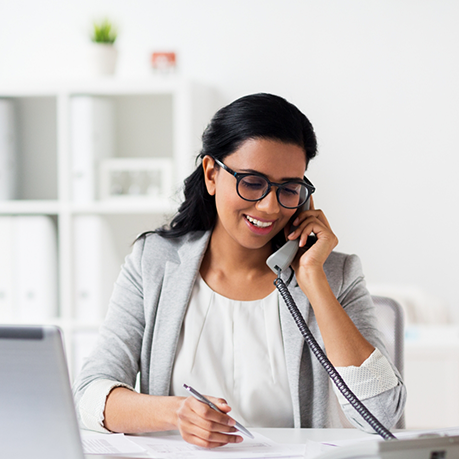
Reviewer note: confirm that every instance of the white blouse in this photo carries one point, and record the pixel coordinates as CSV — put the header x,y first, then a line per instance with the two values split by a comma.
x,y
234,350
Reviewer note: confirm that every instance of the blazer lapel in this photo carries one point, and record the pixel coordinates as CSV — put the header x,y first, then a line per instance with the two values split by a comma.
x,y
179,279
293,344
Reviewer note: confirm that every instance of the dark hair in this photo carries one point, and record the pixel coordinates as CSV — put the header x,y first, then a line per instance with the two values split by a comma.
x,y
254,116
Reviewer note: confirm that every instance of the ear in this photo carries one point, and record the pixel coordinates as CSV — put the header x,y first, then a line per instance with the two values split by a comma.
x,y
210,173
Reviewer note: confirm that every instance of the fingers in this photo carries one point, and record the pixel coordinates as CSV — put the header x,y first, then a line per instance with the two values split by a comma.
x,y
315,222
206,439
201,425
221,403
307,222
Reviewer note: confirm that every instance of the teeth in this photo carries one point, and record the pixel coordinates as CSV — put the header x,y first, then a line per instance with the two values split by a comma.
x,y
258,222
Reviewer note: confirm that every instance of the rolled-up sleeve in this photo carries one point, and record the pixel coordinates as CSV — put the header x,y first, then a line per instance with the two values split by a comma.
x,y
92,403
372,378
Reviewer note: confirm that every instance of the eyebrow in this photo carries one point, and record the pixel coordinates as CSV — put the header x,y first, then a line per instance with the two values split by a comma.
x,y
284,179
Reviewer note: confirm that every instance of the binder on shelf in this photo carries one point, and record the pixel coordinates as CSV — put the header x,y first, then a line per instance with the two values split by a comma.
x,y
92,139
6,271
28,269
96,268
8,159
35,270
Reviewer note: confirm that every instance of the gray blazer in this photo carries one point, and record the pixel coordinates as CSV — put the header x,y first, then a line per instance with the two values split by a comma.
x,y
147,308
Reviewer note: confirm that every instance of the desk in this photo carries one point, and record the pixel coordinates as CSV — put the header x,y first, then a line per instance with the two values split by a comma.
x,y
289,436
298,436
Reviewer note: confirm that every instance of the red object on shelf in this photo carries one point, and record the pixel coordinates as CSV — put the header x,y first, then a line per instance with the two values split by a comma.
x,y
163,61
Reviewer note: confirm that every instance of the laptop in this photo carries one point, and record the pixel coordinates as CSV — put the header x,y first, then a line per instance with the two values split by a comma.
x,y
37,413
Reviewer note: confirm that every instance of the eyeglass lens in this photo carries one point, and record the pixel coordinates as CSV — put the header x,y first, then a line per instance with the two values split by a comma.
x,y
290,194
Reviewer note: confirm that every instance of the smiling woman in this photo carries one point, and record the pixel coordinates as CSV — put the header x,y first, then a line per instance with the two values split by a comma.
x,y
195,301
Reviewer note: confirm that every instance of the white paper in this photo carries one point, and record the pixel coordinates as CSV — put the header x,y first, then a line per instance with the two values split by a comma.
x,y
110,444
174,447
314,449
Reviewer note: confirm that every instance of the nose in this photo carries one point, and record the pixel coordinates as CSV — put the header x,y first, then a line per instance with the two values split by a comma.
x,y
269,204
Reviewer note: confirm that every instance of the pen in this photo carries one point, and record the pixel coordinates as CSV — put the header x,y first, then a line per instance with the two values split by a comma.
x,y
203,399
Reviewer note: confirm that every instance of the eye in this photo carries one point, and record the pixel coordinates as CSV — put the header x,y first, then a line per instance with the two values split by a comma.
x,y
291,189
253,182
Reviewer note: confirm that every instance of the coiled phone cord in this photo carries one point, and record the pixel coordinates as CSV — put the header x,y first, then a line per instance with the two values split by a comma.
x,y
331,370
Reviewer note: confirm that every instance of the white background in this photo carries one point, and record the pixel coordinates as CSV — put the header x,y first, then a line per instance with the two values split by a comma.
x,y
378,79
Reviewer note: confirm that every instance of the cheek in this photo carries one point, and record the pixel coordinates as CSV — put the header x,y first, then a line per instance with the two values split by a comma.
x,y
228,202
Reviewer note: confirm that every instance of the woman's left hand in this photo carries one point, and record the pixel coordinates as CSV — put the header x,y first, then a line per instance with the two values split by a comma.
x,y
307,222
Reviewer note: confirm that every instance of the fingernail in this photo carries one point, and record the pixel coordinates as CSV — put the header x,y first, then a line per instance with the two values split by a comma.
x,y
239,439
231,422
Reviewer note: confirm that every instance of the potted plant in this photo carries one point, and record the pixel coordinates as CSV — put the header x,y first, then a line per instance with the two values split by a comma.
x,y
103,52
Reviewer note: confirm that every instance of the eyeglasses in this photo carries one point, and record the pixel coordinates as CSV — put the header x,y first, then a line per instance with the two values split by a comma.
x,y
253,186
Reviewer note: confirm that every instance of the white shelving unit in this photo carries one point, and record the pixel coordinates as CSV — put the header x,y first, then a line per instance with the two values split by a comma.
x,y
158,117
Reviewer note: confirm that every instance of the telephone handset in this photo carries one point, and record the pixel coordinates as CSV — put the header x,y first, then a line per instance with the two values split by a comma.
x,y
282,258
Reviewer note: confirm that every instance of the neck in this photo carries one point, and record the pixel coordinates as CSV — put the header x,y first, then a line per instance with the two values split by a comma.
x,y
227,255
237,272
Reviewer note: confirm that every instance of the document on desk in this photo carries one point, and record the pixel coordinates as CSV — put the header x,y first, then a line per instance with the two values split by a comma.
x,y
108,444
172,446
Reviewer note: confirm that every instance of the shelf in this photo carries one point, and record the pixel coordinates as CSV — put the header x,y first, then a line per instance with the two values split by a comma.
x,y
125,206
29,206
61,140
103,86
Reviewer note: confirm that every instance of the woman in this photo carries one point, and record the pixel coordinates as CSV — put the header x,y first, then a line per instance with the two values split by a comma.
x,y
195,302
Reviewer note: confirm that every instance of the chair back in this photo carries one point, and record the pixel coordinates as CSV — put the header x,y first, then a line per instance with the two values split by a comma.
x,y
390,317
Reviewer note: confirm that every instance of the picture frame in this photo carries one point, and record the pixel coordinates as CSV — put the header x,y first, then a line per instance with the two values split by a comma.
x,y
134,179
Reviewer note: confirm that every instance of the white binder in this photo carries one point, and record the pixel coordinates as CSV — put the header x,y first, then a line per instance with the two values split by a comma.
x,y
92,139
96,268
28,269
6,269
35,268
8,160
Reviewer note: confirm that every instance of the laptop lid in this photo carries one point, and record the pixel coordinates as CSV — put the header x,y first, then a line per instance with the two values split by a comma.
x,y
37,413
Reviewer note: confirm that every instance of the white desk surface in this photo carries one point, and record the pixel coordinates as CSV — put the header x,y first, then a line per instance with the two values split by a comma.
x,y
291,436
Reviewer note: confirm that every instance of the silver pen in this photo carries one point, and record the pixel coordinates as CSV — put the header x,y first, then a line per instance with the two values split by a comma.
x,y
203,399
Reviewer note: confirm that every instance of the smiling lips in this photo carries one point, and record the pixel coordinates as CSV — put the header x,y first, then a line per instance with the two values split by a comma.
x,y
258,223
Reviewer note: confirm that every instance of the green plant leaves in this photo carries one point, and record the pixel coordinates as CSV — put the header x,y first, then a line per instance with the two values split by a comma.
x,y
104,32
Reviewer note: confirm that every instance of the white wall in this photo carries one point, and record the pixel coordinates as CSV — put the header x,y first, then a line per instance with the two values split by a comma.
x,y
378,79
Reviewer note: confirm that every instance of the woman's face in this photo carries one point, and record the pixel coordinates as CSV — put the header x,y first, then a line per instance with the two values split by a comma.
x,y
253,224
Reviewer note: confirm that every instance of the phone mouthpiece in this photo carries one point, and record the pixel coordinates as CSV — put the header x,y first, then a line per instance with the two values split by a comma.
x,y
282,259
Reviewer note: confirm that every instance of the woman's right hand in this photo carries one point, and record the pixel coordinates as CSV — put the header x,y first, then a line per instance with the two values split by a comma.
x,y
130,412
202,426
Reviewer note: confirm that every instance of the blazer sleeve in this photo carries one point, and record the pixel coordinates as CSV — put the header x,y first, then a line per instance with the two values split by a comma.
x,y
116,355
354,297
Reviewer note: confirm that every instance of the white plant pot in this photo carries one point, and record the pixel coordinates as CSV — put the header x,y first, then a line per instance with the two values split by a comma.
x,y
102,59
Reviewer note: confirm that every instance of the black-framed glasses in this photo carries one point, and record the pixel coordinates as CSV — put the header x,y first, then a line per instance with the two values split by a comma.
x,y
253,186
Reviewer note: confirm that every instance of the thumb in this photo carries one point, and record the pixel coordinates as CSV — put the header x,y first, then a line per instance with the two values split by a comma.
x,y
223,405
